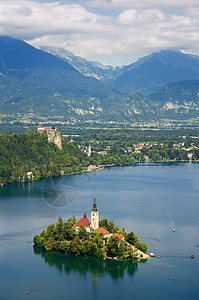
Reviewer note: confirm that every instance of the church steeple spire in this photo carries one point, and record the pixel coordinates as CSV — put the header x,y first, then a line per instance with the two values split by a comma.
x,y
94,205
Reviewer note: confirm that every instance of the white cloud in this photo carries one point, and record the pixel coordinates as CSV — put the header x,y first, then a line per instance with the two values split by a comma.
x,y
138,17
129,32
46,18
142,4
79,43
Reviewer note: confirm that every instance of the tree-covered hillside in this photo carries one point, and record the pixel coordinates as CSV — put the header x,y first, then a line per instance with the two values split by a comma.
x,y
31,152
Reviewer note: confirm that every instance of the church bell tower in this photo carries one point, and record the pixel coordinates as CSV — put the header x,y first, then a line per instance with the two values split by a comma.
x,y
94,216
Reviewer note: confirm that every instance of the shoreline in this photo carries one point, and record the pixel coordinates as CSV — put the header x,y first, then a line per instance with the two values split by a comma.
x,y
108,259
101,167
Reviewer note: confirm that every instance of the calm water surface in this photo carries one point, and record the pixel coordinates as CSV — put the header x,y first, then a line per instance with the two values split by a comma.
x,y
170,196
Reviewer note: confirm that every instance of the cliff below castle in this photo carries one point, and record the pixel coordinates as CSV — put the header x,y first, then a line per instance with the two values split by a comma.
x,y
30,156
52,134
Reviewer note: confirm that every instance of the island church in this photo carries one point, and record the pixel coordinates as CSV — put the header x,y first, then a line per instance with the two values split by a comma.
x,y
94,224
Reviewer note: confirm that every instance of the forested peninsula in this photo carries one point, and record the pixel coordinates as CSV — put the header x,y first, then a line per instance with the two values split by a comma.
x,y
31,156
65,237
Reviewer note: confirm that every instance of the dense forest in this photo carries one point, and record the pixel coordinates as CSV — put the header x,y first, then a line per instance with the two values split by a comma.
x,y
31,152
64,238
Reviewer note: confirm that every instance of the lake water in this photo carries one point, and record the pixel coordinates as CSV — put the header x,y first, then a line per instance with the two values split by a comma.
x,y
170,196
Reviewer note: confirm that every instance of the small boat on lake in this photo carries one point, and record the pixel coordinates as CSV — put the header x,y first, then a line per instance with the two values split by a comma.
x,y
174,230
192,256
151,254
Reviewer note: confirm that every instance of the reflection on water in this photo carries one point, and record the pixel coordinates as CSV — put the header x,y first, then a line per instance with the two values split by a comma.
x,y
81,265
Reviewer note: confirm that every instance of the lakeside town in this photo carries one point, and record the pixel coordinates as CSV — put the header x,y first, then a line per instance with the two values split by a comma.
x,y
161,148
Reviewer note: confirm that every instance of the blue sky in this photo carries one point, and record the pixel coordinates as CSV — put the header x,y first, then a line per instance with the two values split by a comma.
x,y
115,32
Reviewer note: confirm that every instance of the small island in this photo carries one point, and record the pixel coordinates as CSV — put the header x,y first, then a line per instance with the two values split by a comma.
x,y
102,239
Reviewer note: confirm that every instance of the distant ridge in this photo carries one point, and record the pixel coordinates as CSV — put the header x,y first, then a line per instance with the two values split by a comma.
x,y
181,92
17,55
152,72
37,84
178,99
104,73
147,75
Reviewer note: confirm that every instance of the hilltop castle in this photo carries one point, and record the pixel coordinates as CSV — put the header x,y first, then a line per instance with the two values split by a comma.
x,y
52,134
94,224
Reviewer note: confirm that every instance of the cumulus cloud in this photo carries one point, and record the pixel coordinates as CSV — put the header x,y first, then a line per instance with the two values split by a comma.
x,y
45,18
134,17
132,31
81,44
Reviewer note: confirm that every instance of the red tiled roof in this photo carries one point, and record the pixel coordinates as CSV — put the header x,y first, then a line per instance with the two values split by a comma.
x,y
119,235
46,128
102,230
83,221
49,127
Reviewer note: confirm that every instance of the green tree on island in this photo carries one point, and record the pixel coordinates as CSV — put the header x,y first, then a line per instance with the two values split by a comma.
x,y
63,237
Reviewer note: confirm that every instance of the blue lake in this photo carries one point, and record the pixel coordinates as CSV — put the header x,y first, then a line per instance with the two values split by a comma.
x,y
170,196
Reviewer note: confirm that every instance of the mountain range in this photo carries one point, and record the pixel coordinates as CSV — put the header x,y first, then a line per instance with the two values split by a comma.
x,y
56,84
152,72
147,75
104,73
34,83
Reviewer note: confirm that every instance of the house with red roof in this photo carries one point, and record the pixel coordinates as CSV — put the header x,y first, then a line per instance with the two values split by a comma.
x,y
119,235
105,232
84,222
107,235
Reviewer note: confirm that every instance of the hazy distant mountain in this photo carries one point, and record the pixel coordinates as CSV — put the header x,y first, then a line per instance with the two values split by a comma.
x,y
104,73
16,57
181,92
178,98
152,72
147,75
35,83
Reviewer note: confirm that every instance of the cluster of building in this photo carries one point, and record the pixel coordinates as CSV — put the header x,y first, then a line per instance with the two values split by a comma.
x,y
93,225
140,146
180,146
